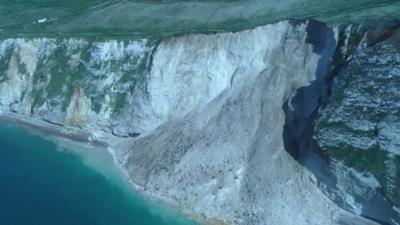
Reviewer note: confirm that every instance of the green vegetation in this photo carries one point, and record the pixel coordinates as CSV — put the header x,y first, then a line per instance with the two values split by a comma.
x,y
363,110
65,64
160,18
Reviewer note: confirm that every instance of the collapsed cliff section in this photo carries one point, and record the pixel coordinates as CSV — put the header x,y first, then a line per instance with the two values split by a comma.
x,y
225,159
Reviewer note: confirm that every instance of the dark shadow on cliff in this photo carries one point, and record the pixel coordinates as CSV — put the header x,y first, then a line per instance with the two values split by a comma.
x,y
302,110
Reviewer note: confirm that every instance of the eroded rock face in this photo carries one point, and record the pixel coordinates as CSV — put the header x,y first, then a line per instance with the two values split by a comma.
x,y
224,158
359,128
72,82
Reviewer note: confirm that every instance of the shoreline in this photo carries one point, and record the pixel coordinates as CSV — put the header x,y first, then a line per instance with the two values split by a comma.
x,y
84,137
52,129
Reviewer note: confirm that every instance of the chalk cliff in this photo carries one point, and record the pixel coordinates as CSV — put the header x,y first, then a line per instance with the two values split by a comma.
x,y
196,120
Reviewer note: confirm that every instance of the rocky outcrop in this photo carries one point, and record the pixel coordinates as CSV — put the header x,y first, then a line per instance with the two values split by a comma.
x,y
359,128
72,82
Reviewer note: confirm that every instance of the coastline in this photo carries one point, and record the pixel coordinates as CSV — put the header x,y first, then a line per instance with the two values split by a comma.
x,y
81,137
163,203
52,129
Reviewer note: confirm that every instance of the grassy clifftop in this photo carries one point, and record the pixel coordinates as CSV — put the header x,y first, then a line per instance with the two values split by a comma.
x,y
159,18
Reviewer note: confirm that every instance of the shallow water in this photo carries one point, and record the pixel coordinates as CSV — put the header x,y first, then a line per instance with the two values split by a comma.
x,y
42,184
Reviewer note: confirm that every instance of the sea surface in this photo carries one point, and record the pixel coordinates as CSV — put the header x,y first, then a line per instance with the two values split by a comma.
x,y
43,183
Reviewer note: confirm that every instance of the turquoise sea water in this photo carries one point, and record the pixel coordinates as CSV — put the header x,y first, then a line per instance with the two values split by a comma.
x,y
43,185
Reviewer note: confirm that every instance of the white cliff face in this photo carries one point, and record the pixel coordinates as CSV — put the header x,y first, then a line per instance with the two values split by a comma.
x,y
222,154
73,82
192,70
18,81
